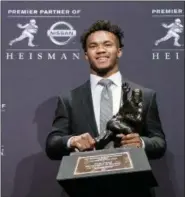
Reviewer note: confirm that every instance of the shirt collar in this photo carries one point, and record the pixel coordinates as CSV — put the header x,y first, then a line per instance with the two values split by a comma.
x,y
116,79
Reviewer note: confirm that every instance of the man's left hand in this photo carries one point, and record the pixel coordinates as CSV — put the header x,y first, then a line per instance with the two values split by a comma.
x,y
132,139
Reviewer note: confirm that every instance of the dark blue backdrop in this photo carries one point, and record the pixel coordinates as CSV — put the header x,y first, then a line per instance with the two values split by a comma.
x,y
32,77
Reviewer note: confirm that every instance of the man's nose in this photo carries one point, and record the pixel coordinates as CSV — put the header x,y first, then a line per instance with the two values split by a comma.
x,y
100,49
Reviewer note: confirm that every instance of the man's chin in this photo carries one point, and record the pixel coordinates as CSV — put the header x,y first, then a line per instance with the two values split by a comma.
x,y
103,70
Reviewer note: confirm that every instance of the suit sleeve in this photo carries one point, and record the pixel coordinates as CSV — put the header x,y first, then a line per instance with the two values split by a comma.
x,y
154,139
56,142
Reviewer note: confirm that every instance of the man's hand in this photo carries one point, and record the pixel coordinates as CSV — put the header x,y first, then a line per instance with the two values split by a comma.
x,y
82,142
132,139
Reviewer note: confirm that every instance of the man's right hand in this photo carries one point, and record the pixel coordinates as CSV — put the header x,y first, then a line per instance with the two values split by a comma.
x,y
82,142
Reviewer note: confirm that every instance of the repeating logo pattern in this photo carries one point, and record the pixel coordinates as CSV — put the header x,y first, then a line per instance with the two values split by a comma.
x,y
174,30
29,30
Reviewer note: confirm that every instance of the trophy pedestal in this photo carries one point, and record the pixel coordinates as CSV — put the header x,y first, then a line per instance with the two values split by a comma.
x,y
108,172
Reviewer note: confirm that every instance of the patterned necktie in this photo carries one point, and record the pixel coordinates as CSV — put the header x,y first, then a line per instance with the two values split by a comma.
x,y
106,104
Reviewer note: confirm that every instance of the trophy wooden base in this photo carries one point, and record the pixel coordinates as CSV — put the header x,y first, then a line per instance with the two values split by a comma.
x,y
108,172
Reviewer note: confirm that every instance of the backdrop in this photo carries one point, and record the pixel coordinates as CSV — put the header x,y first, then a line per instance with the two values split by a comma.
x,y
42,58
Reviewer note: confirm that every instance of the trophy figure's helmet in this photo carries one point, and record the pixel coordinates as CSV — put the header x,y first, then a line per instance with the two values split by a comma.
x,y
33,21
178,20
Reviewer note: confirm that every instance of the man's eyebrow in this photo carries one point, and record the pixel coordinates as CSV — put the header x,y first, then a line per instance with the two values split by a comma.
x,y
105,41
92,43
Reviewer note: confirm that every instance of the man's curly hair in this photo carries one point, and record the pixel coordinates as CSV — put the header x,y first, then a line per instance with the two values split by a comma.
x,y
103,25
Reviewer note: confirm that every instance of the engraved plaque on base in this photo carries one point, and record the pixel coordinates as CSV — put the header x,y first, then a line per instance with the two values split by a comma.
x,y
103,163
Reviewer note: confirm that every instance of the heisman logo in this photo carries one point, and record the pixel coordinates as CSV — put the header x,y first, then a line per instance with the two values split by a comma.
x,y
3,107
60,33
175,29
29,29
2,151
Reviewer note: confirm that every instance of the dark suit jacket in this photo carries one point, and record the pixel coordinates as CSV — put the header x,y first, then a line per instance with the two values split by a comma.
x,y
74,115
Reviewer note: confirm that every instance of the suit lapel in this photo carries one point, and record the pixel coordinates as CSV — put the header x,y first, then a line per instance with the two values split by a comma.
x,y
88,108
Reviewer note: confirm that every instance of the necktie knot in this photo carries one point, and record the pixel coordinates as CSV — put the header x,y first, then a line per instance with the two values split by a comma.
x,y
105,82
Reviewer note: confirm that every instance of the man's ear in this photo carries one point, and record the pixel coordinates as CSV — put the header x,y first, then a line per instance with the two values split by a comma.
x,y
86,56
119,53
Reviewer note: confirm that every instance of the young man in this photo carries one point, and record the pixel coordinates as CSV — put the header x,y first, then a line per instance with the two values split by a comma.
x,y
82,114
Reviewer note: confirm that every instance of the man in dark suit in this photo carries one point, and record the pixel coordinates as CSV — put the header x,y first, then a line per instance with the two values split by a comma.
x,y
81,115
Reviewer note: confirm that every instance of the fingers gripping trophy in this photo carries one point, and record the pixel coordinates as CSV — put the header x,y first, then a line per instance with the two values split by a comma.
x,y
128,118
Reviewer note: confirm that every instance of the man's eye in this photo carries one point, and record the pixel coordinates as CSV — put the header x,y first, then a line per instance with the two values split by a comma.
x,y
108,44
92,46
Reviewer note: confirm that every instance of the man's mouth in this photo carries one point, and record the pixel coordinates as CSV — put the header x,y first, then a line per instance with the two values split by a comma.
x,y
102,59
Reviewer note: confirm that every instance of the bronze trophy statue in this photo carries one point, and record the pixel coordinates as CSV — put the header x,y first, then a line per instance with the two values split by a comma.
x,y
128,118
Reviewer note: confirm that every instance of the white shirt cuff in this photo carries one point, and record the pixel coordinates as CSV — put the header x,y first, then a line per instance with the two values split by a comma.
x,y
143,143
69,142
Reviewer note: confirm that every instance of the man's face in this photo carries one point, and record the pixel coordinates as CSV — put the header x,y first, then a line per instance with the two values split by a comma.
x,y
102,51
